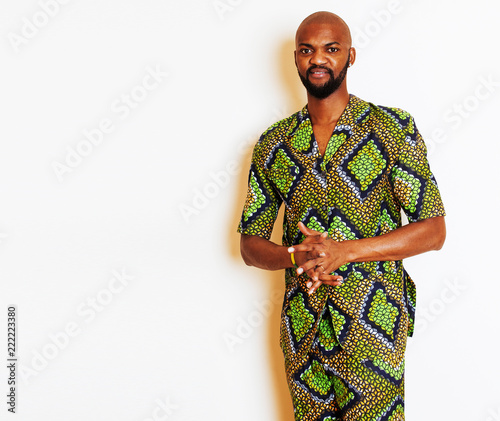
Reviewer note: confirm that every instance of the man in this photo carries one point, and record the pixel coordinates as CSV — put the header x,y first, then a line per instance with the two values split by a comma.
x,y
343,168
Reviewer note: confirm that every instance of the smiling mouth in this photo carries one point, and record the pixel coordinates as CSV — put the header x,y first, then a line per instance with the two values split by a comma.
x,y
318,72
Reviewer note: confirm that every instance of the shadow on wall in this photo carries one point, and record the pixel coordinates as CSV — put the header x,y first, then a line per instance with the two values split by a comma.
x,y
294,91
274,281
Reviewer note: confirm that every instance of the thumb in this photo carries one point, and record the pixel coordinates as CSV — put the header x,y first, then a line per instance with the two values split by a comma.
x,y
305,230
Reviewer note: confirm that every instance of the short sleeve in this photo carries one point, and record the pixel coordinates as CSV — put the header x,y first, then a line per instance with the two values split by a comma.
x,y
414,185
262,201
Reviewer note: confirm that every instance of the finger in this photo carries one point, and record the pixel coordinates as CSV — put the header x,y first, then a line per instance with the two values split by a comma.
x,y
320,238
332,283
303,247
309,241
307,266
331,279
334,280
314,274
315,286
307,231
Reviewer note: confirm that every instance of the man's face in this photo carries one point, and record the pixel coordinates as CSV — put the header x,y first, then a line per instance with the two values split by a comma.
x,y
322,58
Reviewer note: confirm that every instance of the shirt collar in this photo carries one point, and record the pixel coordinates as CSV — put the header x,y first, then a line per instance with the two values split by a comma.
x,y
300,132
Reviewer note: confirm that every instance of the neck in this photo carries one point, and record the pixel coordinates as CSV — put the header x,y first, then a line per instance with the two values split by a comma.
x,y
328,110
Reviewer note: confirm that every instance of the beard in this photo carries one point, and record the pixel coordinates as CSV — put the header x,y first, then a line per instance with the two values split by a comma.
x,y
327,88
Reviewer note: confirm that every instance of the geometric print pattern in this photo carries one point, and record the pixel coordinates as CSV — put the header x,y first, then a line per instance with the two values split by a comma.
x,y
381,314
338,386
364,166
374,167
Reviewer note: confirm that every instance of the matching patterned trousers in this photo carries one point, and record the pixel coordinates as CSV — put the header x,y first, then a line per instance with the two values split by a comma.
x,y
338,386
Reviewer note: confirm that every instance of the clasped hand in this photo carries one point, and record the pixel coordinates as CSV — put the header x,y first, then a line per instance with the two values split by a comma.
x,y
318,256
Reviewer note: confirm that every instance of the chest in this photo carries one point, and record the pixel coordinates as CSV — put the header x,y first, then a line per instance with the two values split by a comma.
x,y
342,169
322,134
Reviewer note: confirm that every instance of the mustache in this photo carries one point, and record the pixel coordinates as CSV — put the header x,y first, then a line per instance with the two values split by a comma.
x,y
315,68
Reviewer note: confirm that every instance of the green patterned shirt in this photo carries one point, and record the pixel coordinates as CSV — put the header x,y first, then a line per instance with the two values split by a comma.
x,y
375,164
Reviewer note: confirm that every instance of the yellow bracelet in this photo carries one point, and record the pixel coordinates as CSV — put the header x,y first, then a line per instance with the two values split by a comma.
x,y
292,256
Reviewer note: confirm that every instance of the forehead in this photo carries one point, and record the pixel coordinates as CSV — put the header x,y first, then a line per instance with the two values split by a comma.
x,y
320,34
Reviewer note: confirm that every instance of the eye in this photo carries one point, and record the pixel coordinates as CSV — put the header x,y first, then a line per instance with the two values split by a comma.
x,y
333,49
305,50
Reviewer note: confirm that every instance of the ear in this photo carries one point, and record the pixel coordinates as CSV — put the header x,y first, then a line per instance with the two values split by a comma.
x,y
295,57
352,56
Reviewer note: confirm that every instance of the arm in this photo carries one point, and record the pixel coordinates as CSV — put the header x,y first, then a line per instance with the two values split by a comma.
x,y
264,254
409,240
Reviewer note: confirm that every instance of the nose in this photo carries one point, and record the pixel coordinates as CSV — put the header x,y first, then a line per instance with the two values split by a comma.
x,y
318,58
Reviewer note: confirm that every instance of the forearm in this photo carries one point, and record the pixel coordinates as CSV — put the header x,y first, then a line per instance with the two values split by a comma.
x,y
409,240
412,239
264,254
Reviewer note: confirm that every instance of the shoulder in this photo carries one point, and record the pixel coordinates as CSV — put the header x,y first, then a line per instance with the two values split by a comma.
x,y
277,132
281,129
393,117
393,127
396,126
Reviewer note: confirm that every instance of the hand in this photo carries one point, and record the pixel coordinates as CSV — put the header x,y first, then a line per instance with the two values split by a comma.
x,y
301,257
318,256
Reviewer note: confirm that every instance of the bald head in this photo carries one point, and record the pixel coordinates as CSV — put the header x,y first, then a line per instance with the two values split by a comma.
x,y
323,53
320,19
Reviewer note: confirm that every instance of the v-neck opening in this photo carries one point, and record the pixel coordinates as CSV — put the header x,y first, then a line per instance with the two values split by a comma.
x,y
324,158
301,135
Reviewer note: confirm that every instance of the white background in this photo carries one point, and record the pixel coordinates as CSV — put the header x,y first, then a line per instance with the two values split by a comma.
x,y
159,198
